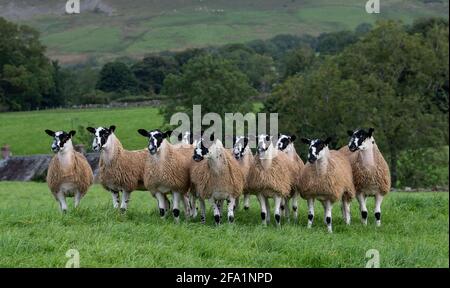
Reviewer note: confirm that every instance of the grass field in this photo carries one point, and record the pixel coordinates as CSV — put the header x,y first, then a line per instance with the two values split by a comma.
x,y
24,131
139,27
35,234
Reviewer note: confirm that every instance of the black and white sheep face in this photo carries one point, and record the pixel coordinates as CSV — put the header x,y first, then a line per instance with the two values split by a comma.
x,y
200,151
239,145
317,148
61,140
360,139
284,141
155,139
101,137
264,142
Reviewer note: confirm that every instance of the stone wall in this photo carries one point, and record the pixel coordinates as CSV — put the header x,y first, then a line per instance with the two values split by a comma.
x,y
34,168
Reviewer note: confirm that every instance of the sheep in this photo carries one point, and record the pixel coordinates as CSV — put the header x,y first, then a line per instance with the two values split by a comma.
x,y
285,143
370,171
243,154
218,178
167,170
69,174
270,177
327,177
120,170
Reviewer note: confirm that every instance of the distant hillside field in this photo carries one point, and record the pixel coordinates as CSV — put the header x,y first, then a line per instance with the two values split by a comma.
x,y
111,28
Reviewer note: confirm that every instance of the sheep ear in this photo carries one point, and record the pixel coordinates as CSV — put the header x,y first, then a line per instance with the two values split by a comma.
x,y
72,133
112,128
371,130
350,133
305,141
293,137
91,129
143,132
50,133
327,141
167,134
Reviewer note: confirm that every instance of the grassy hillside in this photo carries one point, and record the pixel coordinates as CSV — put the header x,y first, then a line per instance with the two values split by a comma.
x,y
24,131
110,28
35,234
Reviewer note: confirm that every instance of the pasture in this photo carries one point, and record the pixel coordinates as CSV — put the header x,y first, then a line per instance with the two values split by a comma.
x,y
414,233
24,131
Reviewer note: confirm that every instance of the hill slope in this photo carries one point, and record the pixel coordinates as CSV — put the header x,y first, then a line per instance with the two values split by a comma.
x,y
111,28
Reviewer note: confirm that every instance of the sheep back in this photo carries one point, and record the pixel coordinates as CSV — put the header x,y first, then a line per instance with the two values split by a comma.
x,y
275,180
367,177
333,184
171,172
78,173
229,181
125,171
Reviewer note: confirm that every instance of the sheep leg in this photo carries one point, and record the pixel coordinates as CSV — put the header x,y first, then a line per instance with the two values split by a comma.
x,y
187,206
287,211
62,201
161,203
278,201
346,211
125,200
262,203
362,207
176,203
267,208
77,199
167,203
115,198
295,206
236,205
203,211
217,212
327,206
231,208
310,212
192,205
246,201
378,201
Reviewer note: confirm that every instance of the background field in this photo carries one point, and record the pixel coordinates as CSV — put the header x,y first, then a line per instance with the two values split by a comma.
x,y
110,28
35,234
24,131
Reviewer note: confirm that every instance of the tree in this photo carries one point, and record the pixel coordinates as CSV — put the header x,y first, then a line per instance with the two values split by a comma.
x,y
332,43
298,60
210,81
260,69
152,70
25,72
384,80
117,77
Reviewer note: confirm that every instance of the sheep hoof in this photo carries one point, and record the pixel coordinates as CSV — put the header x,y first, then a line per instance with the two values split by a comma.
x,y
162,212
123,210
309,224
203,220
230,219
176,213
217,219
64,211
378,223
277,218
330,230
246,208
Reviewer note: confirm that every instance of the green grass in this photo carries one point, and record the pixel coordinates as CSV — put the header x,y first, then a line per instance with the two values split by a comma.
x,y
35,234
24,131
141,27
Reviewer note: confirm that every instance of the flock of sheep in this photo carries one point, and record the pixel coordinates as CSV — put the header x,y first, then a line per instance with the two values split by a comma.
x,y
200,170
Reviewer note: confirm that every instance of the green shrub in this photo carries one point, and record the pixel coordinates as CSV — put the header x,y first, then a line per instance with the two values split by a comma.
x,y
426,167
